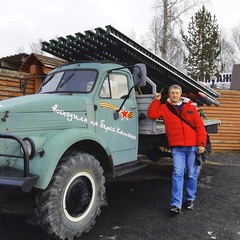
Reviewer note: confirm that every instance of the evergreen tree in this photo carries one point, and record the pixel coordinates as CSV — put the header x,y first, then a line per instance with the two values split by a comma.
x,y
203,45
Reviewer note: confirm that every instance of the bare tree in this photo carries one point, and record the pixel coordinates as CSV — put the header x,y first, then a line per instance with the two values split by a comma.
x,y
228,54
236,36
20,50
132,34
236,40
36,47
166,25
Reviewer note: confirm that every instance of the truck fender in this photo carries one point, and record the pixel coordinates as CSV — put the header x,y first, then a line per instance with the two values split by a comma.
x,y
54,148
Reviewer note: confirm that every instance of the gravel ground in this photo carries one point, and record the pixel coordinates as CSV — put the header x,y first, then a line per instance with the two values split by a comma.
x,y
138,207
225,158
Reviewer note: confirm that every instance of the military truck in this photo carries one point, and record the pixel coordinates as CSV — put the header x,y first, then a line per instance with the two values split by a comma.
x,y
86,124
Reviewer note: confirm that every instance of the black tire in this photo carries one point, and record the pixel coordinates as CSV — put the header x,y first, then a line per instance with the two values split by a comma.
x,y
72,201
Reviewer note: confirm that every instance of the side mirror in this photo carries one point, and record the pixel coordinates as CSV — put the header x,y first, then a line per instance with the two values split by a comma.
x,y
140,74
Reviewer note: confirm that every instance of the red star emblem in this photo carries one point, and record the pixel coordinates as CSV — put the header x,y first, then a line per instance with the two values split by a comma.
x,y
124,114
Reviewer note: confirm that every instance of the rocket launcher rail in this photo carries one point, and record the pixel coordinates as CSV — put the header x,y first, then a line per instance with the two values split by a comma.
x,y
112,45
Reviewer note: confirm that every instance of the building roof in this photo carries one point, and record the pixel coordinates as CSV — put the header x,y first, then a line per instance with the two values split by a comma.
x,y
37,59
13,62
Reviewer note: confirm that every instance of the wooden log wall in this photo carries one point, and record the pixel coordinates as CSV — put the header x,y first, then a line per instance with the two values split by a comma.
x,y
10,84
228,137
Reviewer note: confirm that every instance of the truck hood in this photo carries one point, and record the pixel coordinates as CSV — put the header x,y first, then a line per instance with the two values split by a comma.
x,y
43,103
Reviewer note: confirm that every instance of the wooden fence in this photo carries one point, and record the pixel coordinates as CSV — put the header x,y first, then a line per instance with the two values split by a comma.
x,y
228,137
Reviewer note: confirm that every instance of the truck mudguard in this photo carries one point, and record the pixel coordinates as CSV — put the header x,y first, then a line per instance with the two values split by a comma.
x,y
56,146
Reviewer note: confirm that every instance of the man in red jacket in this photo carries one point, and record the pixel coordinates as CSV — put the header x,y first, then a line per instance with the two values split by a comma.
x,y
184,140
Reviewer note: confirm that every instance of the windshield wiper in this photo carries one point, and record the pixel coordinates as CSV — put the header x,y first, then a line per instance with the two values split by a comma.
x,y
66,80
48,80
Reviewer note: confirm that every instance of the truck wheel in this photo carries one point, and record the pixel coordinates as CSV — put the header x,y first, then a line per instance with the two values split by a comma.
x,y
72,201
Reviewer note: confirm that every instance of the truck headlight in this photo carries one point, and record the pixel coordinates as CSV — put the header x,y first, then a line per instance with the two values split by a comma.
x,y
30,147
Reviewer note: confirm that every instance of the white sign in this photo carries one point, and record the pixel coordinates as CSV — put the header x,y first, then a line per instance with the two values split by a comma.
x,y
223,81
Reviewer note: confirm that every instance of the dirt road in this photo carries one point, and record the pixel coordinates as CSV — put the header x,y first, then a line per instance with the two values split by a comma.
x,y
138,207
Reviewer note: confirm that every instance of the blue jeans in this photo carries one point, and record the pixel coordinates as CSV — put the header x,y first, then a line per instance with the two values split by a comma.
x,y
184,157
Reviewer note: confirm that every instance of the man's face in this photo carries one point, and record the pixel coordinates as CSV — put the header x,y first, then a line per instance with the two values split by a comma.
x,y
175,95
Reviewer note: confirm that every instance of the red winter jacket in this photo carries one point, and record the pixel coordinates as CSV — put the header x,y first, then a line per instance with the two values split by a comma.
x,y
178,132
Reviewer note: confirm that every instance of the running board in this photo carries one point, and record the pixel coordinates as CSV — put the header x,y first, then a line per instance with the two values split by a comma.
x,y
128,168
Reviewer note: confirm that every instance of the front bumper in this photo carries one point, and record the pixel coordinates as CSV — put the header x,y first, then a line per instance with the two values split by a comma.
x,y
17,177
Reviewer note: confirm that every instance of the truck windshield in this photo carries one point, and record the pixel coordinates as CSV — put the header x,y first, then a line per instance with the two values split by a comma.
x,y
69,81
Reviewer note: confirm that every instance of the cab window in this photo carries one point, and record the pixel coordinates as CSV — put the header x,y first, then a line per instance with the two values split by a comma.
x,y
115,86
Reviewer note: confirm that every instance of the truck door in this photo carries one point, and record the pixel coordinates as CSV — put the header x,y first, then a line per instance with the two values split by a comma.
x,y
120,131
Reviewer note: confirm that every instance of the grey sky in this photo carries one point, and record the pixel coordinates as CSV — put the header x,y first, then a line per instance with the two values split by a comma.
x,y
24,22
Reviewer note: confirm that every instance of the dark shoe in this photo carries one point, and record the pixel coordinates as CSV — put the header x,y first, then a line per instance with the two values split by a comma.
x,y
189,205
174,209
